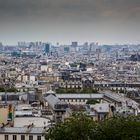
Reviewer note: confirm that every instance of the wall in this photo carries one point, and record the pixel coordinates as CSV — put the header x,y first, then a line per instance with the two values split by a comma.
x,y
19,137
3,115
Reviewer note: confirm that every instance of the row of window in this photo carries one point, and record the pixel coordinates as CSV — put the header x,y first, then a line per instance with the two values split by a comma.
x,y
22,137
117,85
74,100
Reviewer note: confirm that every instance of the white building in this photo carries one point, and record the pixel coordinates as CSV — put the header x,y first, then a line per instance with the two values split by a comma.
x,y
44,68
19,133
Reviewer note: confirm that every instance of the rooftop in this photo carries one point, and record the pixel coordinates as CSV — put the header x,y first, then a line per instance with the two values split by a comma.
x,y
25,121
22,130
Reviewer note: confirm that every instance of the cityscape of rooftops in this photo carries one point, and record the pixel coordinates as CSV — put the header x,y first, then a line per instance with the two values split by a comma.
x,y
70,70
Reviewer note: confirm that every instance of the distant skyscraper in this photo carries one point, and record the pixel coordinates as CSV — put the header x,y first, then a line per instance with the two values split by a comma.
x,y
1,46
47,48
86,44
22,44
74,44
93,46
66,49
98,52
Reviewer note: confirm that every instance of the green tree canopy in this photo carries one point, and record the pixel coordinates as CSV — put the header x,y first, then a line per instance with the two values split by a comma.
x,y
8,89
78,127
119,128
76,90
92,101
82,127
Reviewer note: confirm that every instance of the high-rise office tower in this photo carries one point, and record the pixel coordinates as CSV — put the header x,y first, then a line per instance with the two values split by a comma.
x,y
74,44
1,46
47,48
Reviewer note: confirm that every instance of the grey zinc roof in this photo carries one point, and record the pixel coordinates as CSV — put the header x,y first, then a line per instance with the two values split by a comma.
x,y
80,96
52,100
22,130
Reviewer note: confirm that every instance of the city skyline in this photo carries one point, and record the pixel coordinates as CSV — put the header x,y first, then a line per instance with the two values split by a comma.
x,y
103,21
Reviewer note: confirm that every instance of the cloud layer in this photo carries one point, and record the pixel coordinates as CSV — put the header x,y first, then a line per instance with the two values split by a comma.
x,y
106,21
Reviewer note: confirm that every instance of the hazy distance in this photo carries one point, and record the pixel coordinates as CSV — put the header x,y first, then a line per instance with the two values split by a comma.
x,y
103,21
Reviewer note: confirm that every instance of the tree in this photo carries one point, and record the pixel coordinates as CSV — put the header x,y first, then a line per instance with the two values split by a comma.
x,y
119,128
12,89
92,101
78,127
76,90
8,89
82,127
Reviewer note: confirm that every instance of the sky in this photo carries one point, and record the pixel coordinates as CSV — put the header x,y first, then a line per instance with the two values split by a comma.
x,y
103,21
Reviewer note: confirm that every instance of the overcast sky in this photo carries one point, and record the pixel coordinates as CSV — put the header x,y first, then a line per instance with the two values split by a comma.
x,y
103,21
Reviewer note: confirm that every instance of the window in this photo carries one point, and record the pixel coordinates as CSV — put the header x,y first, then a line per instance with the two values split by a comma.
x,y
6,137
30,137
22,137
38,137
14,137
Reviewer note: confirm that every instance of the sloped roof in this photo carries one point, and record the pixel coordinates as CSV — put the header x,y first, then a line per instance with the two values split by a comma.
x,y
50,92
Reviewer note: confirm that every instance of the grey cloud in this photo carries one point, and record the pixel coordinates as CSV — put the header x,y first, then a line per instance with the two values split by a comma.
x,y
92,17
93,8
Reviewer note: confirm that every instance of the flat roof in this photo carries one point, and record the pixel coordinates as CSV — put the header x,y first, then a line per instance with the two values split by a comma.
x,y
25,121
80,96
22,130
